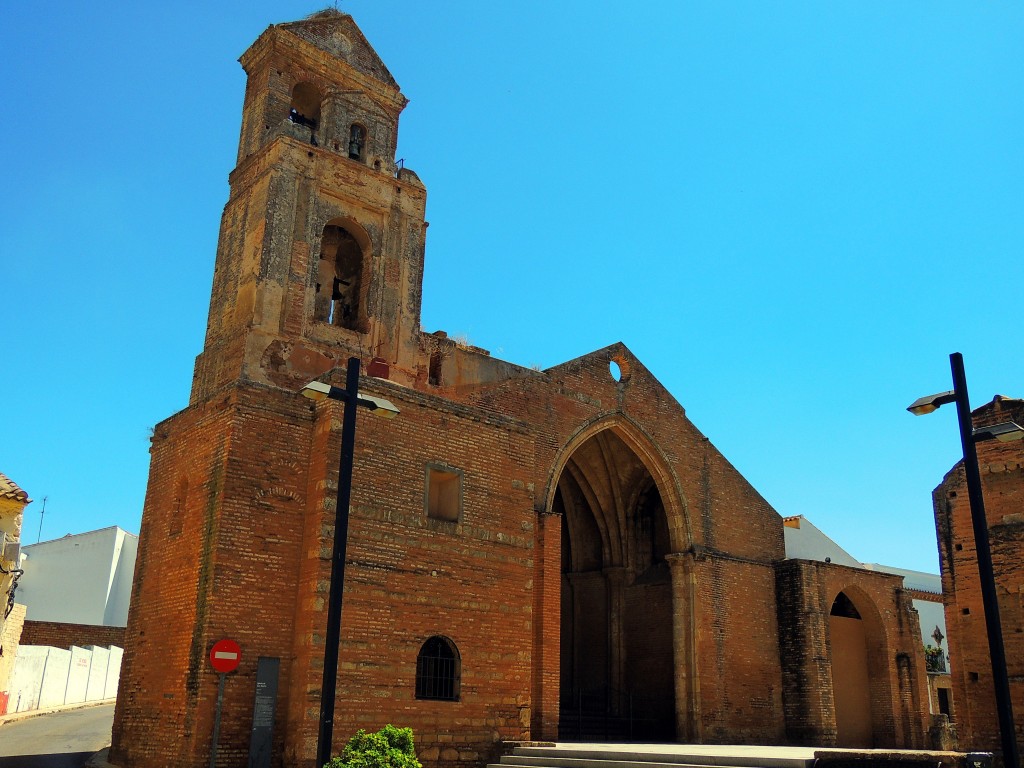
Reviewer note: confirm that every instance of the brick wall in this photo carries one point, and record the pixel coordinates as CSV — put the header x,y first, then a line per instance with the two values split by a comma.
x,y
897,680
896,666
62,635
257,526
1002,477
803,646
246,555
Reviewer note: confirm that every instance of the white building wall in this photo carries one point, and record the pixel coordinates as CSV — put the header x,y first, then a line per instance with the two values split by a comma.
x,y
78,676
46,677
26,680
97,673
113,672
127,549
80,579
805,541
55,677
932,615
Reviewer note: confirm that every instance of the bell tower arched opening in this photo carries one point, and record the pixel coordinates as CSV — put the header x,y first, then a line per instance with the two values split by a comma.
x,y
305,105
357,142
339,283
616,654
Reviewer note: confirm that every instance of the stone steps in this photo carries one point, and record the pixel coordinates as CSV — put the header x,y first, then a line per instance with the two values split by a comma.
x,y
653,756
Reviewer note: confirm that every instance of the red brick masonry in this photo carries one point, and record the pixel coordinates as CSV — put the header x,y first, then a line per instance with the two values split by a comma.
x,y
61,635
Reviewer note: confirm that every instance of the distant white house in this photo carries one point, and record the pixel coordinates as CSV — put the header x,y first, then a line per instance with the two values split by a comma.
x,y
805,541
84,578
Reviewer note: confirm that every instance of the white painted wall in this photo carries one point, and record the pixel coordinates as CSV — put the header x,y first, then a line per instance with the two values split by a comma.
x,y
926,582
27,678
78,675
55,677
80,579
807,542
932,615
97,673
46,677
113,672
123,572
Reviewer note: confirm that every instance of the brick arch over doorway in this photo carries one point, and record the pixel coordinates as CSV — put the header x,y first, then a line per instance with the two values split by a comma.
x,y
621,655
860,670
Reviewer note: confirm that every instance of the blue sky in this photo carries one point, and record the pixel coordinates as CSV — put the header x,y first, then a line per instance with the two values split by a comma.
x,y
791,212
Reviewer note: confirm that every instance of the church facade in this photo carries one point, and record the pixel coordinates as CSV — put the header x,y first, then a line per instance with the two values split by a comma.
x,y
556,554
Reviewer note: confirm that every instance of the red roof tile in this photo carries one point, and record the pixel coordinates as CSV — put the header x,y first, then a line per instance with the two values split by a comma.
x,y
10,490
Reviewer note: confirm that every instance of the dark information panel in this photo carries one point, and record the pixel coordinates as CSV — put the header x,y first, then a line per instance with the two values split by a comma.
x,y
263,712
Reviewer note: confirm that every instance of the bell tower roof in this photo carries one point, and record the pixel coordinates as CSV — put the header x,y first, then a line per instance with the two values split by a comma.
x,y
336,33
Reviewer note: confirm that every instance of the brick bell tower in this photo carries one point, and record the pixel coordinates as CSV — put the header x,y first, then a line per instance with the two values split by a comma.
x,y
320,257
321,243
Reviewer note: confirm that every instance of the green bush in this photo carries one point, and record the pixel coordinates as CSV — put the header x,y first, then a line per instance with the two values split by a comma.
x,y
390,747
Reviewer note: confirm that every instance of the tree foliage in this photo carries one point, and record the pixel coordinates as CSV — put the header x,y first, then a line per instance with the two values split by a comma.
x,y
390,747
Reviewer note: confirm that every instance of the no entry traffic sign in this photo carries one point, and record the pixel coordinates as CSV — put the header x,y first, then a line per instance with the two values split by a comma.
x,y
225,656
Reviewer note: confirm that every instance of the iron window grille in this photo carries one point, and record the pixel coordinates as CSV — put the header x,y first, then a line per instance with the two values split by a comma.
x,y
438,669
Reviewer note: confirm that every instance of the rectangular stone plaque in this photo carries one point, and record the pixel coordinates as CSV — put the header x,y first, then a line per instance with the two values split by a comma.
x,y
263,712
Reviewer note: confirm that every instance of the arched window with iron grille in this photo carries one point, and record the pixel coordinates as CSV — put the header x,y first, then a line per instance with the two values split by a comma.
x,y
438,670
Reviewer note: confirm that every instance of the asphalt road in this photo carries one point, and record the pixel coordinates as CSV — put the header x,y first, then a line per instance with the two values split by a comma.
x,y
57,740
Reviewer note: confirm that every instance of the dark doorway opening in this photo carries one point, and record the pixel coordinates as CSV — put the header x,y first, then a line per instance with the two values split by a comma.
x,y
617,673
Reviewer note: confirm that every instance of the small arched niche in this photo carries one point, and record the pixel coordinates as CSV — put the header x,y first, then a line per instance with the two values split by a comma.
x,y
357,142
305,105
340,280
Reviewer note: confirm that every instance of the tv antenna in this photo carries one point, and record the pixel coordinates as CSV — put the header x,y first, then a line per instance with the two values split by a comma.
x,y
41,513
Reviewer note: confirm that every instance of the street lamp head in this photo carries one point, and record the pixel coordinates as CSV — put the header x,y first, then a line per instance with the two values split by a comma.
x,y
930,403
316,390
1005,432
378,406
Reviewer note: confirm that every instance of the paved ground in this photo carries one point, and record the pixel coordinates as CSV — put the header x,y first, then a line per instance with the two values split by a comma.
x,y
803,753
56,740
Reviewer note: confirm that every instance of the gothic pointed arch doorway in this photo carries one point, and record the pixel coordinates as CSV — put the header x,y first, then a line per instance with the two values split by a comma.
x,y
860,673
617,680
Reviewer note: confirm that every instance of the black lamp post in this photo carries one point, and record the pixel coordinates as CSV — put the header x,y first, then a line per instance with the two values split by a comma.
x,y
350,396
968,437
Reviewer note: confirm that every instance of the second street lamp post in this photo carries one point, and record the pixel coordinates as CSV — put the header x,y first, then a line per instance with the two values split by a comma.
x,y
351,398
968,438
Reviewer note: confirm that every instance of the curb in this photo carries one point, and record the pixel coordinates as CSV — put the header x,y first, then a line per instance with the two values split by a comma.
x,y
17,716
99,760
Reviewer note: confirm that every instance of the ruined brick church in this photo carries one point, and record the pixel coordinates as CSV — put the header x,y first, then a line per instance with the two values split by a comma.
x,y
554,554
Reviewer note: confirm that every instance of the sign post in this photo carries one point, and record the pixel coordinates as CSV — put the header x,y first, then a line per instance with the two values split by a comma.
x,y
225,656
